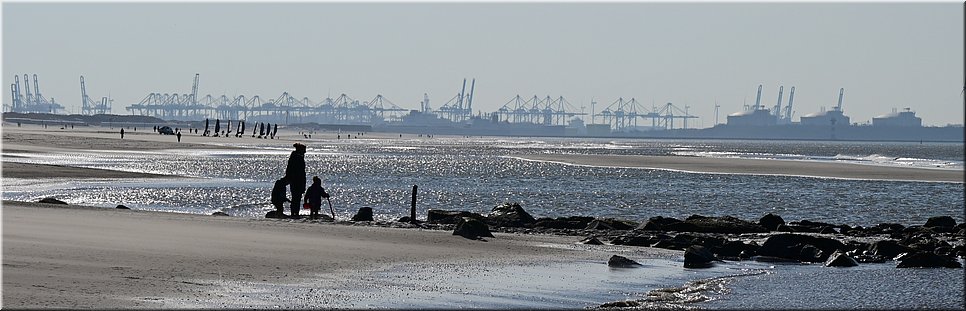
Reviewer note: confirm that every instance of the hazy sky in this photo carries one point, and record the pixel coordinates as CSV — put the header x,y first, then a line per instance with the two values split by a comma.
x,y
885,55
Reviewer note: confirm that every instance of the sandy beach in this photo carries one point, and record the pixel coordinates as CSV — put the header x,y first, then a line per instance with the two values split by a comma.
x,y
74,257
759,167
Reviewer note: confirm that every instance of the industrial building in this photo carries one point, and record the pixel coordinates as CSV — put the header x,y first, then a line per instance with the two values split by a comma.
x,y
829,117
905,118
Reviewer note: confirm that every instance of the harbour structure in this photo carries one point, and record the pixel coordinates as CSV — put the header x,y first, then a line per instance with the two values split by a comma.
x,y
828,117
459,108
623,116
284,108
905,118
23,101
758,115
545,111
90,107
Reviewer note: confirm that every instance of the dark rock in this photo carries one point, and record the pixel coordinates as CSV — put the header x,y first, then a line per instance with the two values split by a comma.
x,y
509,215
621,262
784,228
621,304
827,230
810,253
725,224
52,201
572,222
591,241
813,226
927,260
219,214
667,244
771,221
610,224
275,214
634,241
121,206
696,256
941,221
657,223
790,246
730,249
364,214
840,259
472,228
436,216
889,248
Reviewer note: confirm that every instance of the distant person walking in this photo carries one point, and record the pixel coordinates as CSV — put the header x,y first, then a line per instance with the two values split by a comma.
x,y
275,131
295,174
179,136
122,133
314,195
278,197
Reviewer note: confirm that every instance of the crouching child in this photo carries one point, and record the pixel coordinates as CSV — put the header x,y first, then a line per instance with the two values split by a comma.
x,y
278,197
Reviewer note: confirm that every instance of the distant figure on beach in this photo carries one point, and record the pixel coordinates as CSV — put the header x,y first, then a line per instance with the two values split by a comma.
x,y
217,127
261,130
295,174
278,196
275,131
206,128
179,136
314,195
122,133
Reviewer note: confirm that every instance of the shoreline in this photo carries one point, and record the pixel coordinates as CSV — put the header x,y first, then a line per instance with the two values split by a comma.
x,y
755,167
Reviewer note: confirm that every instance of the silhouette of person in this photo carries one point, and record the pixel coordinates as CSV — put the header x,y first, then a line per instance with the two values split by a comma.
x,y
179,136
278,197
206,128
122,133
314,195
295,174
217,127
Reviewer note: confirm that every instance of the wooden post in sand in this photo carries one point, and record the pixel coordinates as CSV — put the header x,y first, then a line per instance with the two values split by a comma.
x,y
412,210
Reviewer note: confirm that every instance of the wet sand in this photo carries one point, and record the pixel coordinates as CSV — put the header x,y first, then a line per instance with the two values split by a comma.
x,y
757,167
76,257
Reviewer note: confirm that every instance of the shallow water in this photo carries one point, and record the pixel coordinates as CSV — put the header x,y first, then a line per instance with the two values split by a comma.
x,y
478,174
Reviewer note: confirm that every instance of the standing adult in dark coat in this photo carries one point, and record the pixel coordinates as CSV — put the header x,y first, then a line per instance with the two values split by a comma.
x,y
295,174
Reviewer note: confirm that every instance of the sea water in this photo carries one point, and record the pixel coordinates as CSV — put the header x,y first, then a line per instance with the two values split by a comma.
x,y
476,174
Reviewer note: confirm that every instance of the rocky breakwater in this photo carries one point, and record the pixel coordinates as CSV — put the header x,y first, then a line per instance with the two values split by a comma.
x,y
709,239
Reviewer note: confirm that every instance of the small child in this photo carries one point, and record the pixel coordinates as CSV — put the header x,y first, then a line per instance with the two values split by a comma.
x,y
314,195
278,196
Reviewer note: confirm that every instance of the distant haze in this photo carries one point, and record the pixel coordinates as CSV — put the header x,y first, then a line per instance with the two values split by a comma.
x,y
885,55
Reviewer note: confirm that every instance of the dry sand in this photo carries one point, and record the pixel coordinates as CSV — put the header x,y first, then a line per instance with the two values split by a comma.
x,y
758,167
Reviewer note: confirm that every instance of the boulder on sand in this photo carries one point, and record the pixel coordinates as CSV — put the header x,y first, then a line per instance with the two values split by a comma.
x,y
927,260
725,224
472,228
121,206
219,214
941,221
696,256
364,214
621,262
571,222
889,248
771,221
610,224
509,215
52,201
438,216
789,246
840,259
